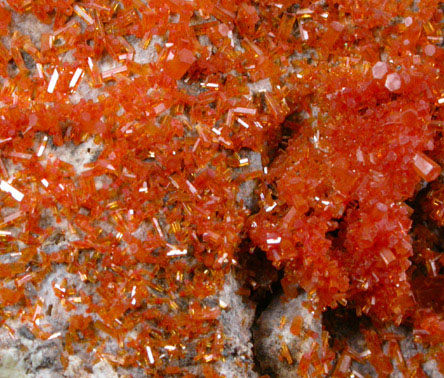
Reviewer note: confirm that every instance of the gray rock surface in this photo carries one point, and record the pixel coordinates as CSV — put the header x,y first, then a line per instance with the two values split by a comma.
x,y
271,334
237,319
246,190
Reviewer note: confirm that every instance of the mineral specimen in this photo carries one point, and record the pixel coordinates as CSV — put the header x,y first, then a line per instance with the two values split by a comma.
x,y
143,142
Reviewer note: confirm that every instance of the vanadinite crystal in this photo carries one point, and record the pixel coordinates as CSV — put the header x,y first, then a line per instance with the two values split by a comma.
x,y
124,127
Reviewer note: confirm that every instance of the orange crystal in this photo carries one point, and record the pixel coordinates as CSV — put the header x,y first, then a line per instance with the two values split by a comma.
x,y
426,167
343,101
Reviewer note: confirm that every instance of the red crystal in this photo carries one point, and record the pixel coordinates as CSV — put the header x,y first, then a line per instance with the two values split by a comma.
x,y
178,62
342,100
426,167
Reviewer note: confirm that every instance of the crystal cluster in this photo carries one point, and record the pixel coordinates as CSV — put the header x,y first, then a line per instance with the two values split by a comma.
x,y
333,212
342,99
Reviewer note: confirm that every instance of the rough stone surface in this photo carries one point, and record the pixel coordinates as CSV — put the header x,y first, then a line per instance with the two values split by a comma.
x,y
246,190
237,320
269,336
